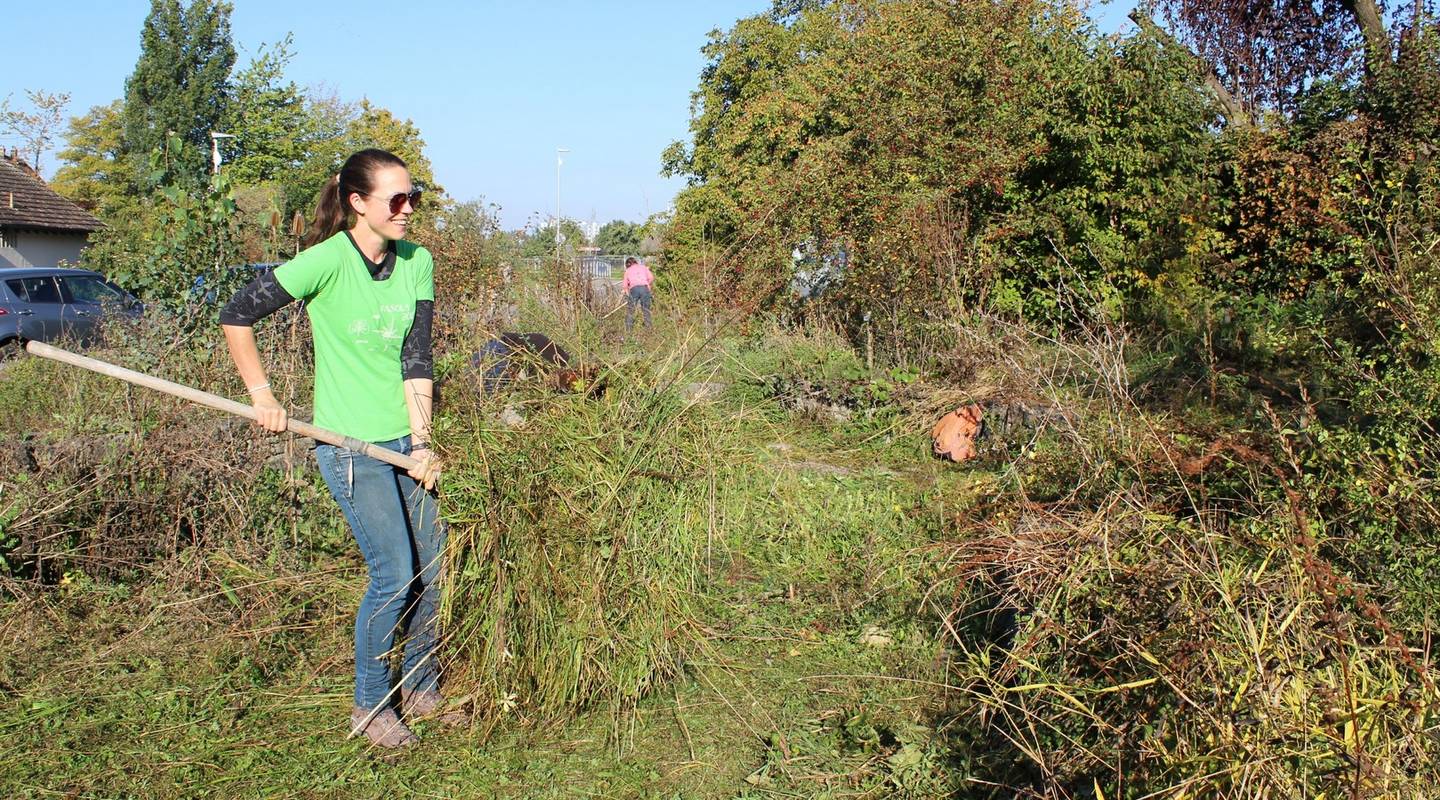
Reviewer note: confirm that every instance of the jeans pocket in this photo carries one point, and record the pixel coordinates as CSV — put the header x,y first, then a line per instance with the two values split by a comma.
x,y
346,461
339,466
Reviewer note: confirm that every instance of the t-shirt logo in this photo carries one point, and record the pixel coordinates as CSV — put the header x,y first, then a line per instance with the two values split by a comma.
x,y
388,324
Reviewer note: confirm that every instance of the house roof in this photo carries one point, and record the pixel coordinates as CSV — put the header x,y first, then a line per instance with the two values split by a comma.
x,y
27,202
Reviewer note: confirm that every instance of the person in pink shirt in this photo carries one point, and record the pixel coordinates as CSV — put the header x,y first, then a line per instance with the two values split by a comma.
x,y
636,286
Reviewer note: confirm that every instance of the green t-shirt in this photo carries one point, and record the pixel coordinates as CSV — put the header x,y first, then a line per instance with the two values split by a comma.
x,y
359,325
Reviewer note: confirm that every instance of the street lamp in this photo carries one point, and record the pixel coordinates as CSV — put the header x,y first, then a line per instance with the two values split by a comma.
x,y
559,268
215,149
215,138
559,159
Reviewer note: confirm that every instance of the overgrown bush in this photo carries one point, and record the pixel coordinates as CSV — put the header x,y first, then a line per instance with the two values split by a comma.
x,y
1153,607
104,478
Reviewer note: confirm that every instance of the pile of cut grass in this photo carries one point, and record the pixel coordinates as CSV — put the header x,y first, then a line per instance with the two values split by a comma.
x,y
593,547
576,560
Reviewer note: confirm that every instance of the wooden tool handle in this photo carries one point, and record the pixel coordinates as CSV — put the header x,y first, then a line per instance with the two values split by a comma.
x,y
218,403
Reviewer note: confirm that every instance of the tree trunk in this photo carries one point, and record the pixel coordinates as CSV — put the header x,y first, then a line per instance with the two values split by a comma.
x,y
1231,108
1372,27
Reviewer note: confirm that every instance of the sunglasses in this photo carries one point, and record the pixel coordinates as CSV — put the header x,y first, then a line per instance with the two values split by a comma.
x,y
399,199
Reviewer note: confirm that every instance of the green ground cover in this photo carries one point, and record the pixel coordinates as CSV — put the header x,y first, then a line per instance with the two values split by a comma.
x,y
726,568
806,668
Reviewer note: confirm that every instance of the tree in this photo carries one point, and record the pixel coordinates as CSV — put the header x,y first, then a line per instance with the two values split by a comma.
x,y
268,118
92,171
324,143
378,127
867,132
179,85
36,128
337,128
177,234
900,160
787,11
1270,52
540,240
620,238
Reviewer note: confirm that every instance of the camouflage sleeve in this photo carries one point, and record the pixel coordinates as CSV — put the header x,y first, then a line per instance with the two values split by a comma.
x,y
415,357
258,300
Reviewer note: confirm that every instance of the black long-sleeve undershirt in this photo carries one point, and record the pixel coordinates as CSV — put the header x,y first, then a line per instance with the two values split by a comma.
x,y
258,300
416,360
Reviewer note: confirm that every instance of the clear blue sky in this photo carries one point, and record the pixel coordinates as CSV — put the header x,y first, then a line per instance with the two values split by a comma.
x,y
494,87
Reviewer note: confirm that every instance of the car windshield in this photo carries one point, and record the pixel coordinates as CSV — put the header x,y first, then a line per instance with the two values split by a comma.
x,y
90,289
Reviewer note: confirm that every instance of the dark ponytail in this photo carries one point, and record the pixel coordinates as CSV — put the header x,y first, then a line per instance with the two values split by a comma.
x,y
332,212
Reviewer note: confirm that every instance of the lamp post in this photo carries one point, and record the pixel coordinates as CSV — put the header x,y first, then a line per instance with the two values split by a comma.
x,y
215,149
215,138
559,159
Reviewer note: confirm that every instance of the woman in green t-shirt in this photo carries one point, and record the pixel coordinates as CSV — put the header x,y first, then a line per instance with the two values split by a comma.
x,y
370,298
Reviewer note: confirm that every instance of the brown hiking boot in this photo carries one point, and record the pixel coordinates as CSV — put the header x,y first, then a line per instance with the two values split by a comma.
x,y
430,705
383,730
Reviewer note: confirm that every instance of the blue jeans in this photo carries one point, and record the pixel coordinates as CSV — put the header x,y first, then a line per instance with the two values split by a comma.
x,y
639,295
395,523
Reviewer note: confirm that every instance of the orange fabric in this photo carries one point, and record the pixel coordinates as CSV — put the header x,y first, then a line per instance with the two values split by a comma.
x,y
954,435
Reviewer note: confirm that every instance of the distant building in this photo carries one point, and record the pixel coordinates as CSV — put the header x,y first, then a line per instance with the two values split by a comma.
x,y
38,228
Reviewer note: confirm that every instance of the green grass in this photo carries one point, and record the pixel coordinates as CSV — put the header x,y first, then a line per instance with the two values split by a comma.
x,y
238,690
736,597
792,553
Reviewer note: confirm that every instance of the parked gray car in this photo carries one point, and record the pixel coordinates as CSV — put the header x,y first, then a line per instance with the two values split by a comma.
x,y
52,303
